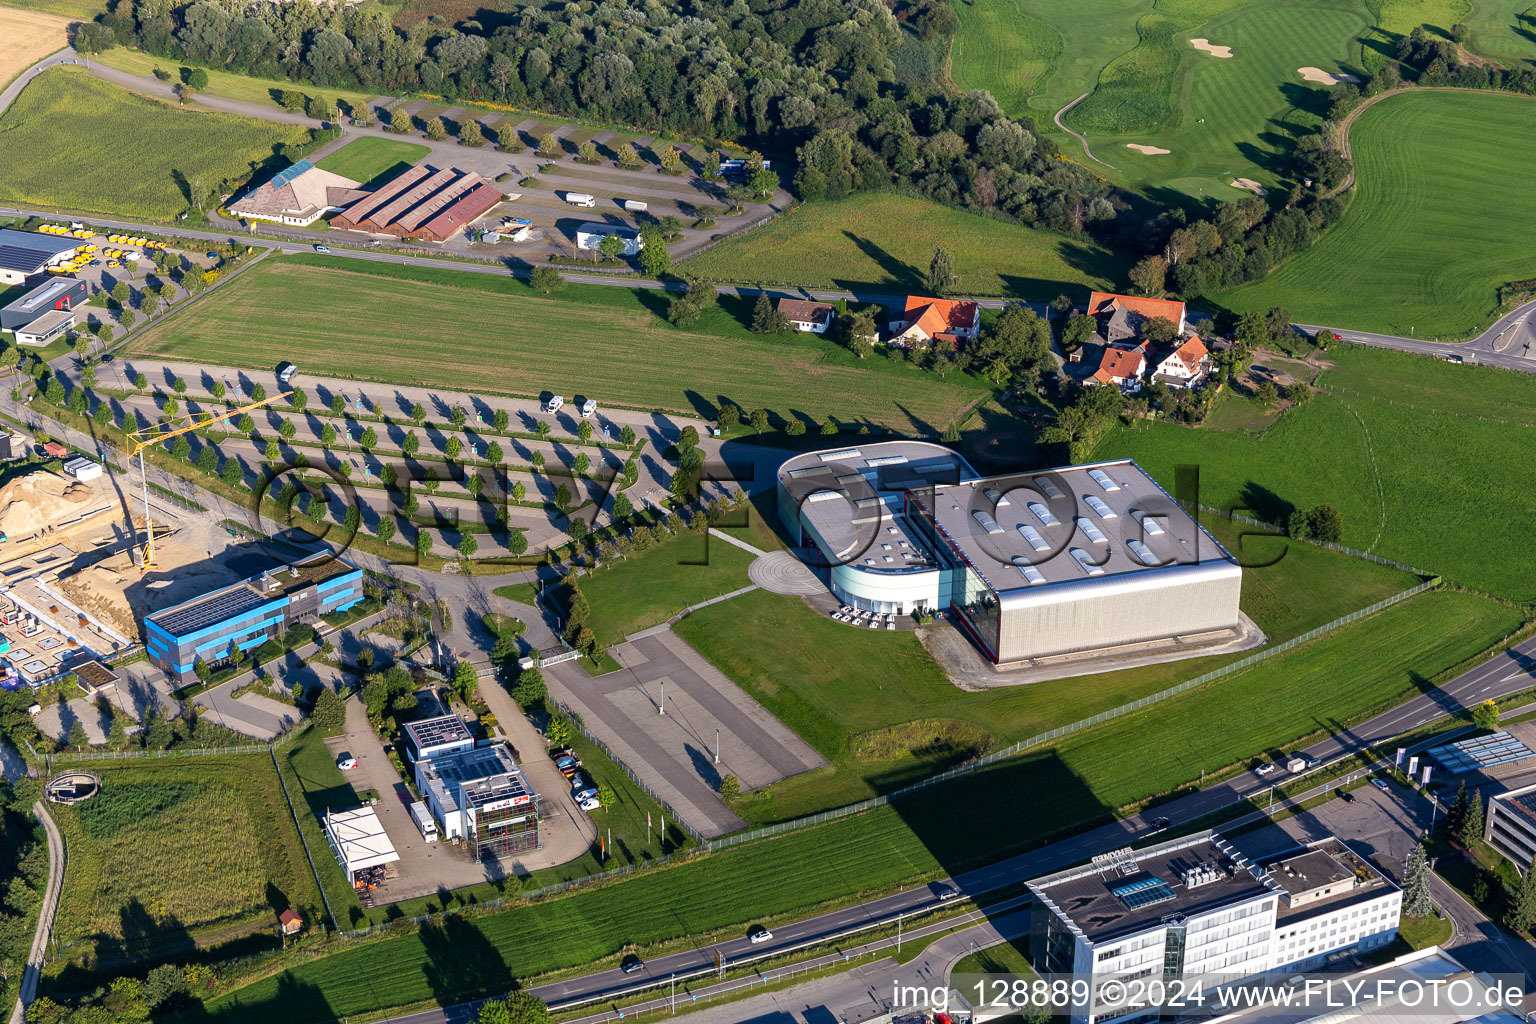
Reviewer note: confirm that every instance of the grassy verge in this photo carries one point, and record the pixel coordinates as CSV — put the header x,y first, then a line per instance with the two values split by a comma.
x,y
648,588
371,160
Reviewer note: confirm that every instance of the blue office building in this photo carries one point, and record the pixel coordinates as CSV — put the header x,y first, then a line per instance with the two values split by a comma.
x,y
236,618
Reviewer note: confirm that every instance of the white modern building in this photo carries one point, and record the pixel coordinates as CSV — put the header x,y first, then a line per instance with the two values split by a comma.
x,y
358,839
1076,562
443,734
591,235
479,794
1510,827
1197,906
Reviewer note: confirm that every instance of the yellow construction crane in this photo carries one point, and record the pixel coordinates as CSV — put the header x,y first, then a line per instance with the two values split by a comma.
x,y
161,432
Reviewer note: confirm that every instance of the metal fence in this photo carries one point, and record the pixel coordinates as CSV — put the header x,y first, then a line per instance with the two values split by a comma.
x,y
734,233
314,868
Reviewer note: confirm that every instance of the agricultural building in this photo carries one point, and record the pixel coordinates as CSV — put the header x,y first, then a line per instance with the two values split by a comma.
x,y
236,618
298,195
25,254
1069,563
479,794
591,235
59,293
423,203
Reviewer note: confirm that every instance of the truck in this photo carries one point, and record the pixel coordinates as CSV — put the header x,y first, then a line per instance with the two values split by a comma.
x,y
554,403
1295,764
580,199
589,407
424,823
635,206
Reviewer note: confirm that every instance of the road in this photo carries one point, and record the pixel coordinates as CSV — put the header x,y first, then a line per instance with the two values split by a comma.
x,y
1510,343
33,971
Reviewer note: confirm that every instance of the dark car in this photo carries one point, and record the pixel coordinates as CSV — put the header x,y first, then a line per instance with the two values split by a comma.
x,y
632,965
1346,796
1161,822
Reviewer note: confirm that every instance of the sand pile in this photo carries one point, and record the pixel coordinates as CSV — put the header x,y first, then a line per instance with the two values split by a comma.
x,y
1211,48
31,502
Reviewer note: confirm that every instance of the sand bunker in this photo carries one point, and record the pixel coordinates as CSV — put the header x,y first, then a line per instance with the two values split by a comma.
x,y
1324,77
1210,48
1250,185
1148,150
39,499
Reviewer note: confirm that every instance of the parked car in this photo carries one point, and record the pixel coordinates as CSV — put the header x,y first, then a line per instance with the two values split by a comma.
x,y
568,763
581,788
1380,784
1346,796
322,248
211,255
346,764
759,934
590,803
632,965
1265,769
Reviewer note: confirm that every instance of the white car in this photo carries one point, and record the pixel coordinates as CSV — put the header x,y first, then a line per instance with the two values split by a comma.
x,y
322,248
346,764
1265,769
591,803
759,934
1380,784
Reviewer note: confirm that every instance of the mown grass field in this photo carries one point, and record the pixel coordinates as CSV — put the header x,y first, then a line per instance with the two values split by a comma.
x,y
73,142
651,587
224,83
456,330
884,243
178,849
1428,462
867,700
1386,657
1438,222
369,157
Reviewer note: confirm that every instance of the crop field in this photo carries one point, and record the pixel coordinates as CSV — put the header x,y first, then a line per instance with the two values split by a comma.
x,y
170,850
26,37
456,330
1399,433
224,83
884,242
1438,222
370,157
74,10
651,587
914,838
74,142
867,700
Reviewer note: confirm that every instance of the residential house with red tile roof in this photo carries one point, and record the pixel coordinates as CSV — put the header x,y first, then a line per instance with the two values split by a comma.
x,y
1184,367
1122,366
1124,316
926,320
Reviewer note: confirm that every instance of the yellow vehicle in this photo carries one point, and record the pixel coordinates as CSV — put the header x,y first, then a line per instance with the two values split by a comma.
x,y
112,263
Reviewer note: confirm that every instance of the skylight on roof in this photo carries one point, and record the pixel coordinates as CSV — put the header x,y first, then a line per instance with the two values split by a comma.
x,y
1085,560
1032,535
1091,530
996,497
841,453
1144,892
1152,524
1103,479
1043,514
987,522
1033,575
1142,552
1100,509
1048,487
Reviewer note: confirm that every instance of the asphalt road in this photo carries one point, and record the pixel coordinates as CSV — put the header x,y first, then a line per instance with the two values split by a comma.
x,y
1509,343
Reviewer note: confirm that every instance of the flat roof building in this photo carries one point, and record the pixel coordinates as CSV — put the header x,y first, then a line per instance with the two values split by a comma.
x,y
25,254
1510,826
591,235
1198,906
358,839
213,627
1068,563
431,737
46,327
480,794
54,294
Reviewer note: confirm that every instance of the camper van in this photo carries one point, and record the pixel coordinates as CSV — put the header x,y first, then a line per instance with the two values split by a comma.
x,y
589,407
554,403
423,819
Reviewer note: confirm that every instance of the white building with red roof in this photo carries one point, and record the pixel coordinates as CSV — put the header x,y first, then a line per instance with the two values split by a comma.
x,y
925,321
1184,367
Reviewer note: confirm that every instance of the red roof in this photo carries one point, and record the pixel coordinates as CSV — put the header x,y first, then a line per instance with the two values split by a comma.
x,y
1120,363
1100,303
290,920
1192,351
55,449
939,316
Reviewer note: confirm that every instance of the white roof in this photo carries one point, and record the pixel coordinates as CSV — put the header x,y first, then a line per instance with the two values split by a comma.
x,y
359,839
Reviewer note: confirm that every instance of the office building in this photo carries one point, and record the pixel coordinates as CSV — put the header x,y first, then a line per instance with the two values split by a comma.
x,y
57,293
1510,827
480,795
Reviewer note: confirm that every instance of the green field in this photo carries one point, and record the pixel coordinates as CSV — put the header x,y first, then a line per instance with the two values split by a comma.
x,y
457,330
85,10
73,142
1428,462
1503,29
1437,223
370,157
651,587
884,242
200,848
224,83
867,701
1386,657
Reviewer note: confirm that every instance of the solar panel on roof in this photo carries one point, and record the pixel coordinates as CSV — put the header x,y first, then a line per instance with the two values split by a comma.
x,y
1483,752
1144,893
217,608
287,174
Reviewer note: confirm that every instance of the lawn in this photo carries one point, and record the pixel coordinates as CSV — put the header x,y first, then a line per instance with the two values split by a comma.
x,y
1437,223
225,83
878,707
1401,444
371,159
456,330
921,836
202,848
73,142
316,784
884,242
651,587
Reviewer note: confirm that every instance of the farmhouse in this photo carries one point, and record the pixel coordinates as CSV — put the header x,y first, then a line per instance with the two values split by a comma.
x,y
212,628
60,293
925,321
298,195
1197,905
1185,366
1075,563
1123,366
811,317
1125,316
423,203
591,235
25,254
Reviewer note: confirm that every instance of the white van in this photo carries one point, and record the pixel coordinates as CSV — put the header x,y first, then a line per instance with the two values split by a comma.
x,y
423,819
554,403
589,407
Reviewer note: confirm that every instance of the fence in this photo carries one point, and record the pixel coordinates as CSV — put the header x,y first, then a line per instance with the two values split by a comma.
x,y
743,229
1330,545
314,869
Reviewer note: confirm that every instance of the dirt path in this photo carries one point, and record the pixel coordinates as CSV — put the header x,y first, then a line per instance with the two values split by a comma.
x,y
45,915
1080,138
